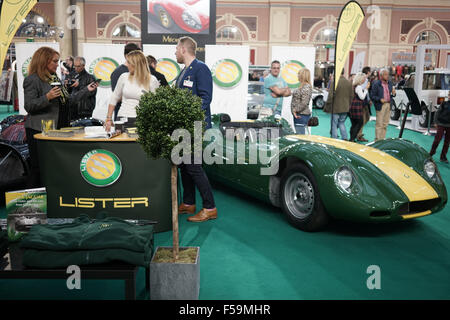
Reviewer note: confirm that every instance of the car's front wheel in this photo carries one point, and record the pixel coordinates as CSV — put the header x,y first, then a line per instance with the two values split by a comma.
x,y
319,102
301,200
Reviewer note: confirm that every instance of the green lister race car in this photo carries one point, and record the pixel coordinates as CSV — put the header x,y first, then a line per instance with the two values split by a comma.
x,y
319,177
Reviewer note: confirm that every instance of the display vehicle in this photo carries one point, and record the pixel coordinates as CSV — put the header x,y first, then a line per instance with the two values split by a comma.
x,y
317,178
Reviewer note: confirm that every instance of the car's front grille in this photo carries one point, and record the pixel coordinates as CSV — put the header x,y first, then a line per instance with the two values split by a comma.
x,y
418,206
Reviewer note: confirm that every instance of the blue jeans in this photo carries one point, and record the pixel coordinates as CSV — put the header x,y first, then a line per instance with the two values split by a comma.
x,y
338,120
301,123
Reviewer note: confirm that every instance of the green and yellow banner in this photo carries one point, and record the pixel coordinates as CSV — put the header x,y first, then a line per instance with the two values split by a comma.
x,y
12,14
352,15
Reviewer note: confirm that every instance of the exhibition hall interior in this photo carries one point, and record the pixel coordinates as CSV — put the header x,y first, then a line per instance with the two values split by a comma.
x,y
224,150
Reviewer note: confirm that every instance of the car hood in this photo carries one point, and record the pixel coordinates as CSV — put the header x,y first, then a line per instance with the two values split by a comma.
x,y
412,184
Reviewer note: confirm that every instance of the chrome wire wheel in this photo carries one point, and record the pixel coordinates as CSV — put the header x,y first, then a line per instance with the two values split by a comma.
x,y
299,195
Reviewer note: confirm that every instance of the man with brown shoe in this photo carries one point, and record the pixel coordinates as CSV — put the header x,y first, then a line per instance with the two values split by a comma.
x,y
197,78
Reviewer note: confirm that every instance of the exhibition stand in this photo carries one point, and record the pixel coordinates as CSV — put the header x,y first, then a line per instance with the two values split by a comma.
x,y
115,176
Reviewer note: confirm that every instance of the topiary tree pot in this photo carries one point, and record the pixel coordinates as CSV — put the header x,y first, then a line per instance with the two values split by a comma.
x,y
175,281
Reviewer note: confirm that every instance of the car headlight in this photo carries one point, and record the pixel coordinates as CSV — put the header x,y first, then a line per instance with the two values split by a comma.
x,y
344,179
429,168
191,19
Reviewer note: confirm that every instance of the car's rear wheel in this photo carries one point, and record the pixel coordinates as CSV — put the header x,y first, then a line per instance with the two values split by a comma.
x,y
425,117
164,18
301,200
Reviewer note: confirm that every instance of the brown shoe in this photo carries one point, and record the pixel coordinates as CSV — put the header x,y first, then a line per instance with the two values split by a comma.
x,y
362,139
204,215
186,208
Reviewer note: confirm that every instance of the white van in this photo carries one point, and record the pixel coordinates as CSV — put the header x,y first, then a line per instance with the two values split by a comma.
x,y
434,91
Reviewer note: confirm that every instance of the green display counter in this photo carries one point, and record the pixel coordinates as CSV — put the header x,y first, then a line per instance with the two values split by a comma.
x,y
88,176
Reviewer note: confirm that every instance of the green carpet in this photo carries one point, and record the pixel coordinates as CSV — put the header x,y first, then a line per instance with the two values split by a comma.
x,y
6,111
251,252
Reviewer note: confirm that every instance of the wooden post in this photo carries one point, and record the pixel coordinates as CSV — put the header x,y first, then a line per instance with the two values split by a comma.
x,y
175,232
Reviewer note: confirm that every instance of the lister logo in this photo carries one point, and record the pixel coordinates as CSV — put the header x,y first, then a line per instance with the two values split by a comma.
x,y
92,203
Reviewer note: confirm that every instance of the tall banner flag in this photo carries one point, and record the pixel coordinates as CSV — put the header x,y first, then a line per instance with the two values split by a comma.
x,y
350,19
12,14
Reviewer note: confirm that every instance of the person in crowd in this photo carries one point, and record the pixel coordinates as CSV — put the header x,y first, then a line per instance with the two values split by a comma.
x,y
151,60
318,82
197,78
358,105
43,101
275,88
381,95
352,77
82,108
129,88
300,101
115,75
339,106
264,75
442,122
67,70
366,110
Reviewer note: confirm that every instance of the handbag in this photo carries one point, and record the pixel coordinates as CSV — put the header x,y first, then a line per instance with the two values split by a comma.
x,y
313,121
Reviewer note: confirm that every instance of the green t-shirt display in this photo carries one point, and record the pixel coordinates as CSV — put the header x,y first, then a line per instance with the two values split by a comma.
x,y
270,102
86,241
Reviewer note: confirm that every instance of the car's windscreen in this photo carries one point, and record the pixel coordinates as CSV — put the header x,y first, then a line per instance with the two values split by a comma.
x,y
436,81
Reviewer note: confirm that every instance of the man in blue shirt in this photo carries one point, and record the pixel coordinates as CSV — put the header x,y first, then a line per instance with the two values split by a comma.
x,y
275,88
197,78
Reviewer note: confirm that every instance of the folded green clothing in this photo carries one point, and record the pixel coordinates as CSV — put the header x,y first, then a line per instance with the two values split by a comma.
x,y
87,234
61,259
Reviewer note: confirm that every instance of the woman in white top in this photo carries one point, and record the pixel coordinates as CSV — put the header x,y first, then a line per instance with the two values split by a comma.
x,y
130,86
357,107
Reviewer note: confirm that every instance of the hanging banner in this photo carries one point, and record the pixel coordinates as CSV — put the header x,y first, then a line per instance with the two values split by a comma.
x,y
292,60
13,12
167,63
24,53
349,21
358,64
101,61
229,70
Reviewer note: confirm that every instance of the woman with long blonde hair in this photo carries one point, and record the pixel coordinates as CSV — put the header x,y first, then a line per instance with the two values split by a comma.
x,y
130,86
300,101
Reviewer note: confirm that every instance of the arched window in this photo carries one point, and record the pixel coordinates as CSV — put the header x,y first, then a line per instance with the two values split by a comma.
x,y
427,37
34,25
326,35
229,33
126,31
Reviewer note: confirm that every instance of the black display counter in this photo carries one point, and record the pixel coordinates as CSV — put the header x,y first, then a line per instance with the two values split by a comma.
x,y
89,176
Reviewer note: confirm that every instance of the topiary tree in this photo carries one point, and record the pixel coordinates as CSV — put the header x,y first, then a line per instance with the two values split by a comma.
x,y
157,116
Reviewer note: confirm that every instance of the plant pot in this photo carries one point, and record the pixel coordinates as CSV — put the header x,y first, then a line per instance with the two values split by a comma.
x,y
175,281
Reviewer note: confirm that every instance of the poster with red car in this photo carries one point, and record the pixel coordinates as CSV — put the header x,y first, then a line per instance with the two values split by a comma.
x,y
178,16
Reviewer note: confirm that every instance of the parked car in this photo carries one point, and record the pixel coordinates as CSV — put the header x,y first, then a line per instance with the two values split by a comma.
x,y
435,87
255,98
190,15
319,177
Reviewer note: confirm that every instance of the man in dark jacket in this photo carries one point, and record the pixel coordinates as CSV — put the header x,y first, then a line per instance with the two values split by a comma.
x,y
339,106
120,70
381,94
442,121
82,108
152,65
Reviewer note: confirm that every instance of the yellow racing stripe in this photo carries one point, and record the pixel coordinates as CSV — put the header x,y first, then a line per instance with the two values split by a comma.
x,y
409,181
